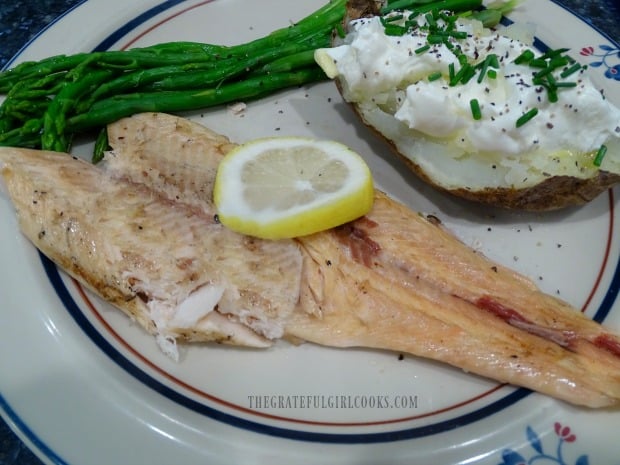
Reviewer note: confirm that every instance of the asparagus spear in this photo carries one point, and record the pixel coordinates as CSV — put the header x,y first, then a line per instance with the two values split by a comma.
x,y
58,96
54,135
116,107
199,75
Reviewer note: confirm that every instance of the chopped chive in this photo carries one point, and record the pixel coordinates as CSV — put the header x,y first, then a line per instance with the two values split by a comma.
x,y
392,19
440,33
422,49
542,73
430,20
525,57
552,94
475,109
458,34
451,71
488,61
554,52
566,84
527,117
568,71
492,74
469,73
558,62
424,6
434,38
394,30
462,73
410,25
538,63
434,76
598,159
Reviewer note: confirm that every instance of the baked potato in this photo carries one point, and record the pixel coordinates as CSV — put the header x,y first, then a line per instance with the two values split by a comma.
x,y
505,136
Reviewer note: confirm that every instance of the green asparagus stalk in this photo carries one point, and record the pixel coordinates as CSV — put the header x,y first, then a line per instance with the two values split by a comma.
x,y
53,98
199,75
108,110
26,135
101,145
289,63
54,135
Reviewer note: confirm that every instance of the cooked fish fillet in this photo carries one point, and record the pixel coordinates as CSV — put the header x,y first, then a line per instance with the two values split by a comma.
x,y
170,265
178,159
413,287
174,156
392,280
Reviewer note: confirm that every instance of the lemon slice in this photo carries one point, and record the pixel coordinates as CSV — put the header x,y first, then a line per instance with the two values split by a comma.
x,y
285,187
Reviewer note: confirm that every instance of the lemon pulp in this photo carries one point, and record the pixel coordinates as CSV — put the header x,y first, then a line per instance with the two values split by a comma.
x,y
285,187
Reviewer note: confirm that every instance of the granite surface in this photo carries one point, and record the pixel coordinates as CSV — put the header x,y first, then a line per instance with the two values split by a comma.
x,y
21,21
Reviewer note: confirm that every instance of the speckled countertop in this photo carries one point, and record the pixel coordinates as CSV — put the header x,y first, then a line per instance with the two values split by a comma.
x,y
21,21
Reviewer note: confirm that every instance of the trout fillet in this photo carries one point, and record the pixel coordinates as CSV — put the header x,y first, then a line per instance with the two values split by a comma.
x,y
391,280
168,264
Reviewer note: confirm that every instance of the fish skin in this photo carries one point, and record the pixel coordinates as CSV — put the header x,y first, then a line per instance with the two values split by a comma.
x,y
412,287
398,281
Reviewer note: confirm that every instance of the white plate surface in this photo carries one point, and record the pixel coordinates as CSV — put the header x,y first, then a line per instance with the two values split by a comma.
x,y
81,385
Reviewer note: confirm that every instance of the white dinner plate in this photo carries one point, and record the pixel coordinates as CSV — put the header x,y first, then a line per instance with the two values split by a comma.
x,y
82,385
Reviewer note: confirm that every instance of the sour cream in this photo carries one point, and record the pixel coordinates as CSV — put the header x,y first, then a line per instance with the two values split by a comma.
x,y
392,73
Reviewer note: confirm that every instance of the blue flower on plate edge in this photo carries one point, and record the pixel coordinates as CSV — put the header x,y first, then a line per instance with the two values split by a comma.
x,y
564,436
604,56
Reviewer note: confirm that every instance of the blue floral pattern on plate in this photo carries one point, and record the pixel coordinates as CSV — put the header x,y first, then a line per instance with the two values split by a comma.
x,y
542,454
604,56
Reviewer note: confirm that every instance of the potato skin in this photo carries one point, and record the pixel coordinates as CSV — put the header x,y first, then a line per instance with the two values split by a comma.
x,y
554,193
363,8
